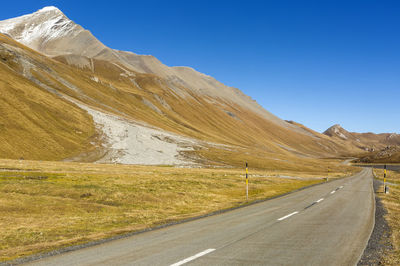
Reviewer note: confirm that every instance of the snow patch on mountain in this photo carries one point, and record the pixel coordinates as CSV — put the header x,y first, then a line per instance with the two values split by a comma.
x,y
49,8
38,28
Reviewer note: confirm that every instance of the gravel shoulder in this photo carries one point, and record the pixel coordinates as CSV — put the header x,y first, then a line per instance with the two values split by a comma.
x,y
379,242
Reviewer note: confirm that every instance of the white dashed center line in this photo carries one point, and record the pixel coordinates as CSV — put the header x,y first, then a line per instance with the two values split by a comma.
x,y
333,191
193,257
321,199
287,216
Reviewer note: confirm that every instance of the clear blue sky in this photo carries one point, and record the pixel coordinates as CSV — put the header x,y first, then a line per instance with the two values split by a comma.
x,y
315,62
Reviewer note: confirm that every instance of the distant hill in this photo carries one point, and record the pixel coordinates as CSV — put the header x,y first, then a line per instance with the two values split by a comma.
x,y
383,147
390,154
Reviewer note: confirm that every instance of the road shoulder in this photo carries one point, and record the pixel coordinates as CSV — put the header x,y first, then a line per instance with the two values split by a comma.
x,y
379,242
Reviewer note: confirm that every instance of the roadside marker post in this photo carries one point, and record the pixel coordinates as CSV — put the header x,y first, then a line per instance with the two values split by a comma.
x,y
247,182
384,179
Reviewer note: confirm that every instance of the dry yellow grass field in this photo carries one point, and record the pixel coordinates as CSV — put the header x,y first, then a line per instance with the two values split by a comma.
x,y
391,202
48,205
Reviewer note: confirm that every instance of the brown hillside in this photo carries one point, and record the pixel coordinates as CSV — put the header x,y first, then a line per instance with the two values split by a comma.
x,y
192,115
35,123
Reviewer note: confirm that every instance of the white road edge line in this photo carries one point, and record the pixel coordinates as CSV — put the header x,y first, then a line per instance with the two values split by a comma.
x,y
193,257
333,191
321,199
287,216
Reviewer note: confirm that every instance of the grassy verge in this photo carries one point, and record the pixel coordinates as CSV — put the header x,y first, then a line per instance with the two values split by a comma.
x,y
49,205
391,202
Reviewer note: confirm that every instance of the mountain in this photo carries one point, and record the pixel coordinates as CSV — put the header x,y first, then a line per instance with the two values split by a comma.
x,y
365,141
377,148
339,132
50,32
68,96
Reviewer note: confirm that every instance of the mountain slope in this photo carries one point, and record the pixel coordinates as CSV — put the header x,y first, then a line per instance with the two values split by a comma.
x,y
35,123
50,32
219,124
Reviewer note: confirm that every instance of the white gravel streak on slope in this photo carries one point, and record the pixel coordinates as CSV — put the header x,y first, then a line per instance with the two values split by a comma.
x,y
130,143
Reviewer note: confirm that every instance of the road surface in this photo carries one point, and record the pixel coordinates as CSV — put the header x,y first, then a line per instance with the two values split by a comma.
x,y
393,167
328,224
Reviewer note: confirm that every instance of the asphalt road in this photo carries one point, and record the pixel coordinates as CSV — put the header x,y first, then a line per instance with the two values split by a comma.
x,y
328,224
393,167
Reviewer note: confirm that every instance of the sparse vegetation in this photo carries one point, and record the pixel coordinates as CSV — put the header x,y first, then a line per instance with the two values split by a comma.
x,y
48,205
391,202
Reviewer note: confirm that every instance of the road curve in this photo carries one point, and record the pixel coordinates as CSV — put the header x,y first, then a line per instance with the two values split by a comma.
x,y
328,224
